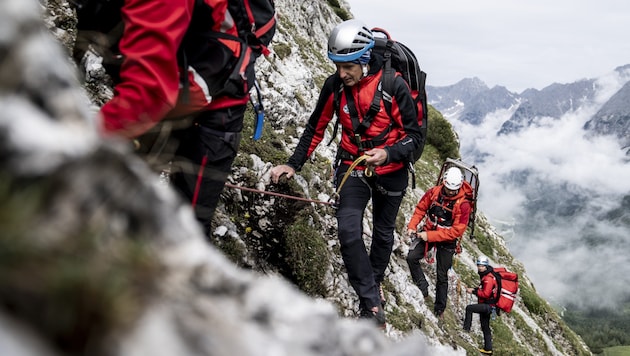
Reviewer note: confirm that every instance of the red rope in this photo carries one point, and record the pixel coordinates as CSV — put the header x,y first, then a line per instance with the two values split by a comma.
x,y
198,183
276,194
429,260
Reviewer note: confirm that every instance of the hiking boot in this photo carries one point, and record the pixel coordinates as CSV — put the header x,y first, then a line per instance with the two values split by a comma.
x,y
425,295
382,295
377,314
439,314
429,303
485,352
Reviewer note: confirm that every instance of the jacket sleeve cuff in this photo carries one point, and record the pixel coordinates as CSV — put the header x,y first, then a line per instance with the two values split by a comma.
x,y
388,159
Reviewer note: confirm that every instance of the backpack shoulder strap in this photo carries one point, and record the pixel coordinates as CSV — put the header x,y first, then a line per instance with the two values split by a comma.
x,y
388,77
359,127
389,73
497,277
338,88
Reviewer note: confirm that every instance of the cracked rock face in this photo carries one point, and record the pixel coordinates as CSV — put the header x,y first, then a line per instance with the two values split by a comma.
x,y
101,258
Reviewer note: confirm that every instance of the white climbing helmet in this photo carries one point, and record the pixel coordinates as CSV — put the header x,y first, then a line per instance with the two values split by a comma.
x,y
453,178
349,41
483,261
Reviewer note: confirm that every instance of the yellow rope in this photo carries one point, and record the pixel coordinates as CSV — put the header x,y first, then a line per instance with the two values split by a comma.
x,y
368,173
349,171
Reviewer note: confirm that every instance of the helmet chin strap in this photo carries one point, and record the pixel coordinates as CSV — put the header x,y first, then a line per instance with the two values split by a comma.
x,y
364,67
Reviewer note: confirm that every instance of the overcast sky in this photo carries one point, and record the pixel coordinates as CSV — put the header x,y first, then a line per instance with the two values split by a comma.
x,y
516,44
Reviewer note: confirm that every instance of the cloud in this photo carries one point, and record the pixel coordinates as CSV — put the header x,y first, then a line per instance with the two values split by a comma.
x,y
551,189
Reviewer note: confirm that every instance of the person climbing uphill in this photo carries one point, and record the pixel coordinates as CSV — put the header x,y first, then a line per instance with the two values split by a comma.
x,y
447,212
174,96
383,148
486,294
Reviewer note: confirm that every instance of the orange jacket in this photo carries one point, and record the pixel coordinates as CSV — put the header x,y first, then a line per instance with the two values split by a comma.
x,y
440,232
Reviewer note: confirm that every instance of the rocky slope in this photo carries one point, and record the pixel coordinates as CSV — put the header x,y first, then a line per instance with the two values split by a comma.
x,y
99,257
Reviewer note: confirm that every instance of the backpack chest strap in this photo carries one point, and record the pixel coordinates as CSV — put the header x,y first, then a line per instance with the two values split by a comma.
x,y
360,126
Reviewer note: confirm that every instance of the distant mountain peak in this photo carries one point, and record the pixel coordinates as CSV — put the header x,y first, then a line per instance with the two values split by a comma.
x,y
472,82
470,100
623,68
613,118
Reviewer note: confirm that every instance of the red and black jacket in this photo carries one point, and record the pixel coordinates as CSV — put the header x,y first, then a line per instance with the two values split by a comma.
x,y
403,134
487,290
148,83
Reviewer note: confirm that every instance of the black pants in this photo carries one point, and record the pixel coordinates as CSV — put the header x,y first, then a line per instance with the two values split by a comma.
x,y
366,271
444,257
485,312
204,159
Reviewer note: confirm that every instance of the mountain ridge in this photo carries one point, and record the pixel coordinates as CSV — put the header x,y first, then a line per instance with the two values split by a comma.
x,y
470,100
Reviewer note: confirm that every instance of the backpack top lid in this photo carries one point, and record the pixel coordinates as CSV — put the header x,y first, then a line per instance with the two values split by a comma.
x,y
471,178
402,58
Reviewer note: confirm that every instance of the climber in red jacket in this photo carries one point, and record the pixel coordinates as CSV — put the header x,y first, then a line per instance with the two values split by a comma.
x,y
169,60
447,212
486,293
386,143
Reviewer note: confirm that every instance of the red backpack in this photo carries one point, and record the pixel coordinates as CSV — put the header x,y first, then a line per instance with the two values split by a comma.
x,y
507,288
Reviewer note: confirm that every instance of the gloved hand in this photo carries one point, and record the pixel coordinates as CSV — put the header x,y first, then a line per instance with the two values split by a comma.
x,y
409,236
415,240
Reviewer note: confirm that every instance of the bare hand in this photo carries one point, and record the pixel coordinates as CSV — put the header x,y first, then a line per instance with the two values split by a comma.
x,y
278,171
378,156
422,235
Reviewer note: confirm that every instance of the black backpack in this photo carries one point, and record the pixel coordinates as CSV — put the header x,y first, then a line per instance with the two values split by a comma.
x,y
396,58
227,73
399,58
